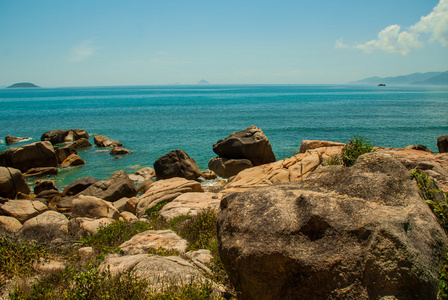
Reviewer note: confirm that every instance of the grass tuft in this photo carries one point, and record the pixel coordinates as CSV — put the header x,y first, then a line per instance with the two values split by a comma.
x,y
355,147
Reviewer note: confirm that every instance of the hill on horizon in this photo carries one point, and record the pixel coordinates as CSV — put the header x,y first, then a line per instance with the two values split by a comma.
x,y
21,85
429,78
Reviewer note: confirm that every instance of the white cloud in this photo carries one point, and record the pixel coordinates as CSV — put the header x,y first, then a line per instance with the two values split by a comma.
x,y
395,40
340,44
436,23
81,52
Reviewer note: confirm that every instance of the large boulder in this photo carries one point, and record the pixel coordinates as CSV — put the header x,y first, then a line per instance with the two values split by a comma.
x,y
165,191
45,227
154,239
81,227
176,163
73,161
341,233
93,207
60,136
104,141
44,185
63,152
143,174
23,210
250,143
39,154
79,144
314,144
116,187
9,225
442,143
40,172
227,167
190,204
78,186
11,183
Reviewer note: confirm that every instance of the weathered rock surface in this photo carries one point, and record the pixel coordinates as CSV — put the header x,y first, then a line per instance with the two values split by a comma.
x,y
287,170
44,185
40,172
78,186
314,144
341,233
176,163
60,136
23,210
119,151
79,144
127,216
159,270
12,182
35,155
72,161
190,203
9,225
116,187
165,191
226,167
143,174
12,140
103,141
442,143
82,227
418,147
209,174
93,207
63,152
45,227
250,143
154,239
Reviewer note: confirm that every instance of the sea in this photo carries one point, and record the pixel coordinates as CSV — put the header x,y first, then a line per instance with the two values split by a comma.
x,y
153,120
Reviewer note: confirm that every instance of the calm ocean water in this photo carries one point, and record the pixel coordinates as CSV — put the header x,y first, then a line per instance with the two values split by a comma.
x,y
152,120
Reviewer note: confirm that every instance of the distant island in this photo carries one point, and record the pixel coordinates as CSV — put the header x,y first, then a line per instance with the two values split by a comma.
x,y
430,78
22,85
203,81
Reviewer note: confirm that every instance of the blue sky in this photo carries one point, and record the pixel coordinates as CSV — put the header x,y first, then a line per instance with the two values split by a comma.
x,y
56,43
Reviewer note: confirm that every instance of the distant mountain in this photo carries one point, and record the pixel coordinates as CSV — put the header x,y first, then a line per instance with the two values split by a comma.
x,y
203,81
430,78
22,85
441,79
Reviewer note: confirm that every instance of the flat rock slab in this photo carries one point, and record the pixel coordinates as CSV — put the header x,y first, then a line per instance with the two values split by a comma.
x,y
154,239
23,210
191,204
93,207
160,271
165,191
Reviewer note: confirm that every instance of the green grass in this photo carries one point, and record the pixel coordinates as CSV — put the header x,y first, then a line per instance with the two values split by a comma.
x,y
436,199
355,147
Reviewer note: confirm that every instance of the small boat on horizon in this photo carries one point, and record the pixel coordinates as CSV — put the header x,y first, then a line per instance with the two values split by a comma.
x,y
382,84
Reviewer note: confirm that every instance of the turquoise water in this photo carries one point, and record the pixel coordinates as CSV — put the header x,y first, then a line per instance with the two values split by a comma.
x,y
152,120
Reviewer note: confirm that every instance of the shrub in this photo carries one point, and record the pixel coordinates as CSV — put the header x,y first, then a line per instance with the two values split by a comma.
x,y
18,258
355,147
199,230
436,200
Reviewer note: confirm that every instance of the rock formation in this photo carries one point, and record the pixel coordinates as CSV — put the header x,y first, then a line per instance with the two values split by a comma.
x,y
104,141
340,233
176,163
12,182
60,136
39,154
442,143
250,143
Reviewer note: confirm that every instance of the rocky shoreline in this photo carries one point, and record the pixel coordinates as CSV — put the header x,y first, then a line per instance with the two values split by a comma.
x,y
293,228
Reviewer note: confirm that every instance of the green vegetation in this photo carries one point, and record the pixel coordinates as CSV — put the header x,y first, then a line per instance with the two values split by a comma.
x,y
334,161
82,280
355,147
436,200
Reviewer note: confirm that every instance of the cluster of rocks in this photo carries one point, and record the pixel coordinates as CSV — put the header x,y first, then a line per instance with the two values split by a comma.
x,y
287,229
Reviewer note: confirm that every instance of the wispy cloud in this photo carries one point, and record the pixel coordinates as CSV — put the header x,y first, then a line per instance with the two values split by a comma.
x,y
394,39
81,51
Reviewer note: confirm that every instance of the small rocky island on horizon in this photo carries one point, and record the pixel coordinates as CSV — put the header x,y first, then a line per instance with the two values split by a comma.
x,y
22,85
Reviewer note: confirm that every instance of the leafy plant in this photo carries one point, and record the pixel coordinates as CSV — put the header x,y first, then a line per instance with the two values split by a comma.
x,y
18,258
436,200
355,147
334,160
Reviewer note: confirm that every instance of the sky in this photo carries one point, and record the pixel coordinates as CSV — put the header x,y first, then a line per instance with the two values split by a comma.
x,y
63,43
